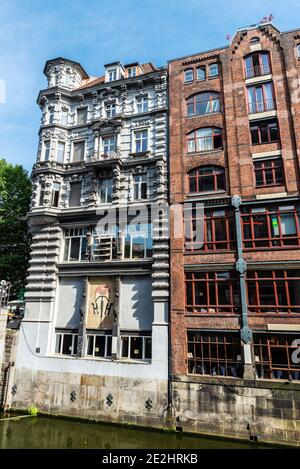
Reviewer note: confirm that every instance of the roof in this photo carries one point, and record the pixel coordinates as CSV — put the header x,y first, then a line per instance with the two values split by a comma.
x,y
59,59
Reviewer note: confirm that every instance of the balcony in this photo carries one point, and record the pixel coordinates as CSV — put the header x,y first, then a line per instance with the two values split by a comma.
x,y
261,106
257,71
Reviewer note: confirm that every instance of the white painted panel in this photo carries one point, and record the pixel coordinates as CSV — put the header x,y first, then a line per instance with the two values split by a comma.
x,y
69,301
136,305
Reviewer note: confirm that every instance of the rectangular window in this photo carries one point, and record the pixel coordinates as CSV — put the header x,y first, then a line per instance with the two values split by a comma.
x,y
269,172
55,194
141,141
135,346
140,187
75,244
78,152
42,194
51,116
261,98
272,227
131,72
47,145
212,293
138,241
264,131
213,70
110,110
201,73
99,344
112,75
273,292
214,354
105,190
142,104
66,343
189,75
64,117
81,115
60,153
257,64
75,194
274,356
109,145
213,233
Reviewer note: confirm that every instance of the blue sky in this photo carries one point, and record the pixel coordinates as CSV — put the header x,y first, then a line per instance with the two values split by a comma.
x,y
96,32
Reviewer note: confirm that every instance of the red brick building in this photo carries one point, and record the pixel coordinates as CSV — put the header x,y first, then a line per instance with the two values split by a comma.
x,y
234,146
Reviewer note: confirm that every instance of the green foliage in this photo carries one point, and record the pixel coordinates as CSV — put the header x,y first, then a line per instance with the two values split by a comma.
x,y
33,411
15,194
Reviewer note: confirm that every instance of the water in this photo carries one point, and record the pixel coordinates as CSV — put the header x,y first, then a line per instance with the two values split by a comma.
x,y
44,432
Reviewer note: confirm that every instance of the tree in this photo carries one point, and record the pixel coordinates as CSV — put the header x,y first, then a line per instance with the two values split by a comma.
x,y
15,194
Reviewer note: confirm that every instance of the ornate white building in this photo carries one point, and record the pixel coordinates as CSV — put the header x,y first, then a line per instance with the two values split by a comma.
x,y
94,340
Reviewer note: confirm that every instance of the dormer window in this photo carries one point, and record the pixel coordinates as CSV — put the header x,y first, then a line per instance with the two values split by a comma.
x,y
112,75
131,72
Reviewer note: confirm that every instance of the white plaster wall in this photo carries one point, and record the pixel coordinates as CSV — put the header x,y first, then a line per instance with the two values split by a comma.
x,y
136,304
68,303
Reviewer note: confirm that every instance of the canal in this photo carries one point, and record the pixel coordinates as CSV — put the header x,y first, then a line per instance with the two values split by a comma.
x,y
50,433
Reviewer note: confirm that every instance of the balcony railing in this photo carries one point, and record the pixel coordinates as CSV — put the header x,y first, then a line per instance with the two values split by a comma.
x,y
261,106
257,71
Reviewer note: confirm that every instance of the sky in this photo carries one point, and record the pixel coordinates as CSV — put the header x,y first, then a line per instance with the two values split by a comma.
x,y
96,32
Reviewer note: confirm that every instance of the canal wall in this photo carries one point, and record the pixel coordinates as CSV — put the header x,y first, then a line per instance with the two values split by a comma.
x,y
8,347
3,322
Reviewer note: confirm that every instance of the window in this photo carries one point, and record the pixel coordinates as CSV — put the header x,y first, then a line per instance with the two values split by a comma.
x,y
55,194
81,115
78,151
261,98
254,40
138,241
67,79
131,72
64,117
47,146
112,75
66,343
273,292
142,103
201,73
203,103
109,145
51,116
212,354
264,131
211,293
214,232
140,187
269,172
272,227
274,356
60,153
99,344
257,64
105,245
42,194
110,110
105,191
209,138
189,75
75,194
75,244
141,141
213,70
135,346
207,179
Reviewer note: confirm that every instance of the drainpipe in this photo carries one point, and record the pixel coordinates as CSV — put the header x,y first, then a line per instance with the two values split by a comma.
x,y
241,267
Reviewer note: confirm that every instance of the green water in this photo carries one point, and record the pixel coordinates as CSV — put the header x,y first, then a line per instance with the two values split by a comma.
x,y
43,432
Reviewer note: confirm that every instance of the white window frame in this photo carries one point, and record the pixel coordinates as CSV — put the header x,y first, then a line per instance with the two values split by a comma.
x,y
70,236
108,188
64,117
143,179
84,151
142,104
51,116
94,335
129,336
112,74
186,72
215,64
110,109
46,150
111,145
141,139
63,145
63,334
131,72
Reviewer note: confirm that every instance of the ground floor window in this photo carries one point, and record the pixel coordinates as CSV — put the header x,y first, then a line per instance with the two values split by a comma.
x,y
136,346
277,356
216,354
99,344
66,342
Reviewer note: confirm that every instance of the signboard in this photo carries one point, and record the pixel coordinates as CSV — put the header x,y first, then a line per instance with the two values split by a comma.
x,y
101,296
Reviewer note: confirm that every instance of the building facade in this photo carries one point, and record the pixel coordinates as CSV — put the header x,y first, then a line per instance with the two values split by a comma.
x,y
235,273
94,340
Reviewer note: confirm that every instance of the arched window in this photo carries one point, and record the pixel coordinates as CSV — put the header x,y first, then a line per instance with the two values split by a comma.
x,y
203,103
206,179
188,75
257,64
208,138
201,73
254,40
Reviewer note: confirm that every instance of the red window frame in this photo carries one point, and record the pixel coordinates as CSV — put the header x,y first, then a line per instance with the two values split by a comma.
x,y
273,356
216,134
272,167
208,225
217,173
272,292
196,98
261,106
214,285
272,221
264,125
257,70
214,354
